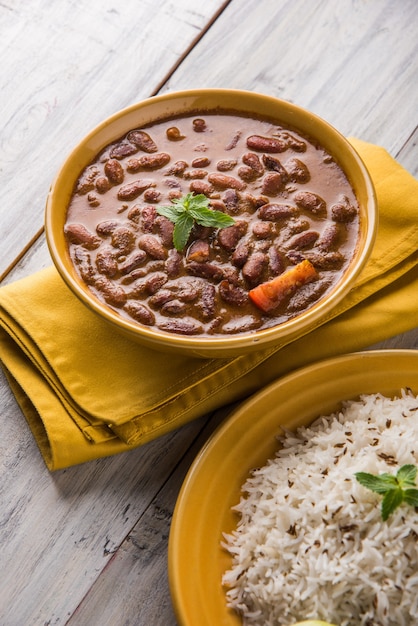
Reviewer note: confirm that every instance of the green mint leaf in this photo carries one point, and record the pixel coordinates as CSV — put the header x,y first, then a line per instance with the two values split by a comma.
x,y
192,201
170,212
393,488
406,475
209,217
182,229
187,211
378,484
411,496
391,501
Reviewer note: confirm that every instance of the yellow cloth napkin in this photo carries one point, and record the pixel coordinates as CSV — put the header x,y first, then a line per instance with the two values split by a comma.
x,y
88,392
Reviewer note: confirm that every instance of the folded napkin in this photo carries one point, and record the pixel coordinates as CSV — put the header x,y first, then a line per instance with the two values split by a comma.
x,y
88,392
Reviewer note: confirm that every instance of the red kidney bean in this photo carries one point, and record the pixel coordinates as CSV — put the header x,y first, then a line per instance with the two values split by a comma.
x,y
132,190
205,270
328,261
112,293
173,307
272,184
229,237
152,246
217,205
222,181
154,282
248,203
134,260
320,260
231,201
266,144
148,162
178,168
253,268
152,195
330,237
247,174
171,183
79,234
142,140
174,263
274,212
147,218
208,301
181,326
226,165
123,239
189,289
252,160
262,230
201,187
303,240
232,294
343,212
82,260
195,174
102,184
296,226
201,162
165,230
310,202
297,171
160,298
240,255
122,150
175,194
276,261
106,263
274,165
106,228
140,313
242,324
307,295
232,275
114,171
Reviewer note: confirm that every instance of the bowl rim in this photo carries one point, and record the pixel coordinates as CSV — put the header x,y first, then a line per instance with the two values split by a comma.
x,y
209,345
246,439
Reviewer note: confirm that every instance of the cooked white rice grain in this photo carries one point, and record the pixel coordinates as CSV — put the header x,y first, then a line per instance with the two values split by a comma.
x,y
311,543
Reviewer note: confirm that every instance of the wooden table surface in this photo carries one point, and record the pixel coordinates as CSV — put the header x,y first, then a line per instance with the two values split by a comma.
x,y
88,545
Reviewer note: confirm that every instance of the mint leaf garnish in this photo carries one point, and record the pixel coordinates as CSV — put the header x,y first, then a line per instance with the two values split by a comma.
x,y
191,209
395,489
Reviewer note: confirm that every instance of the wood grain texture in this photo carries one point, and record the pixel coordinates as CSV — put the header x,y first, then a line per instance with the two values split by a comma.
x,y
66,66
88,545
352,63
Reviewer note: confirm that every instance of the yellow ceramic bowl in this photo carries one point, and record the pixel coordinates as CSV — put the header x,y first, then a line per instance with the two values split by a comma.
x,y
171,104
246,440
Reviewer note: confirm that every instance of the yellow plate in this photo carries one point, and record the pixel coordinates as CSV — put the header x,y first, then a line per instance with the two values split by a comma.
x,y
246,440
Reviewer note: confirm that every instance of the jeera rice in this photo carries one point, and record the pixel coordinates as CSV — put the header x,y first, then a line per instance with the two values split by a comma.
x,y
310,541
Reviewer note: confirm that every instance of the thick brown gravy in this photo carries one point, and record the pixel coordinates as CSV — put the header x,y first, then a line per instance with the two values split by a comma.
x,y
290,201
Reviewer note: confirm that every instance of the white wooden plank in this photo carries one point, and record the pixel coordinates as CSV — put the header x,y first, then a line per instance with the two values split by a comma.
x,y
136,582
59,531
66,66
353,63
